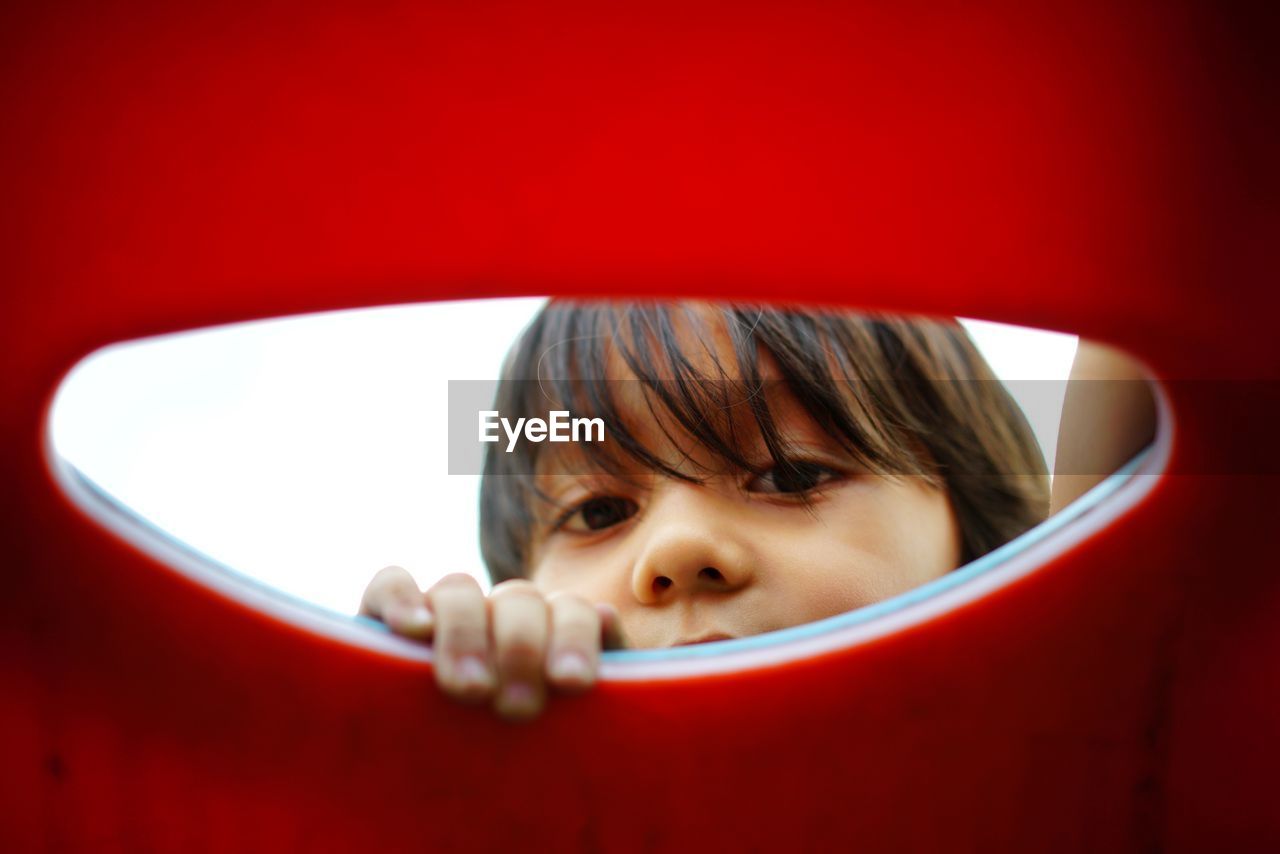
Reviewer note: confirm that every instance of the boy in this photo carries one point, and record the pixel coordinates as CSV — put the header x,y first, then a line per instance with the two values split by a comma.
x,y
765,468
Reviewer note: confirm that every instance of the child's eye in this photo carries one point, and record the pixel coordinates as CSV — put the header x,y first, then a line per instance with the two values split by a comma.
x,y
597,514
796,478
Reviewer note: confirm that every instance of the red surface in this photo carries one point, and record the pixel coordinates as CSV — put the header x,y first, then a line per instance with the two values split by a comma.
x,y
1103,168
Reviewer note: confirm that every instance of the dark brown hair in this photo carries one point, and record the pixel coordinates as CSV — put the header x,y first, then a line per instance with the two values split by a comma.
x,y
900,395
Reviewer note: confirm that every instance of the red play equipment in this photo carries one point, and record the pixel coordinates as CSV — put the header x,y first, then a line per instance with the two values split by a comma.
x,y
1106,169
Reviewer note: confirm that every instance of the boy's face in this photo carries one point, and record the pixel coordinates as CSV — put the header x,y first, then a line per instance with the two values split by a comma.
x,y
738,554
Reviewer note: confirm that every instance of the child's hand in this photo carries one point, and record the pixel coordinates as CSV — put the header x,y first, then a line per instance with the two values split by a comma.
x,y
508,647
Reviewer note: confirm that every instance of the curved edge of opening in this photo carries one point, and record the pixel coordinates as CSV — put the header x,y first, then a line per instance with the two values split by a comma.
x,y
1096,509
102,508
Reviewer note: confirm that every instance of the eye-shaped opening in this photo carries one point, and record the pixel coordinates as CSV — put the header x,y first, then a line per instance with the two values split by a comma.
x,y
728,514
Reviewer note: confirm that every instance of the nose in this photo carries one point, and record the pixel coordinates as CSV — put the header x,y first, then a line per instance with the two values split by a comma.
x,y
696,544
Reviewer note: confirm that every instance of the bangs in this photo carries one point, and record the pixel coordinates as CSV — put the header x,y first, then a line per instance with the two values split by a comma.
x,y
658,365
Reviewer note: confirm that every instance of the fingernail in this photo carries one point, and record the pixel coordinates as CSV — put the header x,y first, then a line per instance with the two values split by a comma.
x,y
571,666
419,618
470,672
518,698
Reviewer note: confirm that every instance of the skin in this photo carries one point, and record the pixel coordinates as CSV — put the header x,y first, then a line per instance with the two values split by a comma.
x,y
1109,414
660,562
664,562
741,554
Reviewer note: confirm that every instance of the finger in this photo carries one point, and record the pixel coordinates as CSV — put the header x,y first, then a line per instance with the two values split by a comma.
x,y
462,665
394,598
611,634
573,654
518,616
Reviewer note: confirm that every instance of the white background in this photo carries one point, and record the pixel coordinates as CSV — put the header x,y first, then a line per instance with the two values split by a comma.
x,y
311,451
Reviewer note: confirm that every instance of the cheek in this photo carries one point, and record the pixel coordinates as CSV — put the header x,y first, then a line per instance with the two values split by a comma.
x,y
587,575
866,546
913,533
